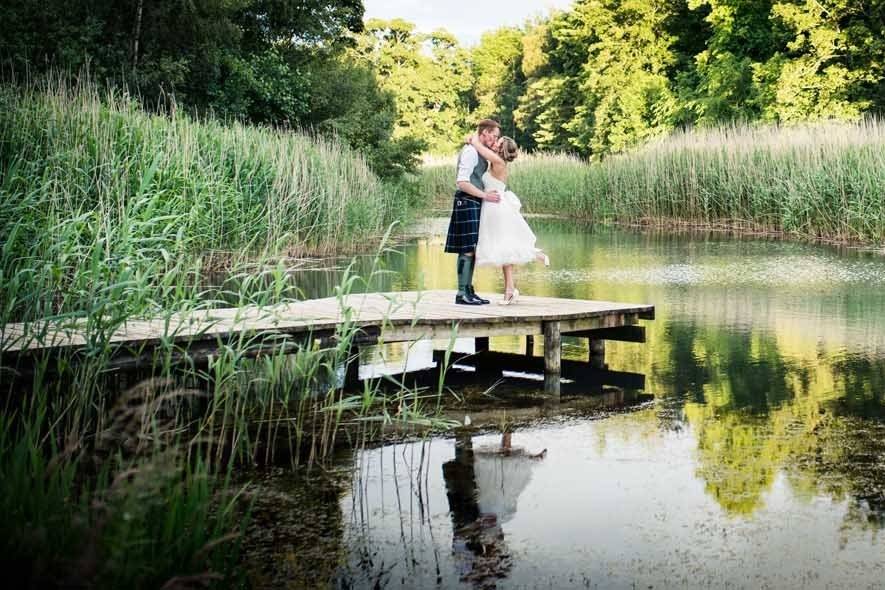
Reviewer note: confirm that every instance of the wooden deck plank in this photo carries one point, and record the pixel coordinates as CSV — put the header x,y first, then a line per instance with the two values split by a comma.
x,y
405,316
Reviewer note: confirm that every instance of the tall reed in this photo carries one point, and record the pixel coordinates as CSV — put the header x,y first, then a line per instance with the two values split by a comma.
x,y
111,213
818,181
95,189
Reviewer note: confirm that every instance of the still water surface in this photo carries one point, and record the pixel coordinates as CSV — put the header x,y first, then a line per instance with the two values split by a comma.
x,y
754,456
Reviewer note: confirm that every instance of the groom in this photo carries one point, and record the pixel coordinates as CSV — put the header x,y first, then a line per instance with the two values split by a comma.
x,y
466,208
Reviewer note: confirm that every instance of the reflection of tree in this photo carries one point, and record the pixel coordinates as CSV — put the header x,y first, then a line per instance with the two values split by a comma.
x,y
755,412
741,370
739,453
862,381
752,418
756,372
737,456
757,399
763,391
683,372
849,457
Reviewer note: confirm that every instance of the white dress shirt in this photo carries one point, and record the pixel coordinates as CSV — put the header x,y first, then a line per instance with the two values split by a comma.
x,y
467,161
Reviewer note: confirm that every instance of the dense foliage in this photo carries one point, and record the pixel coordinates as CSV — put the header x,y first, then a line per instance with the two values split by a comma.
x,y
607,75
89,181
611,73
596,79
109,214
261,61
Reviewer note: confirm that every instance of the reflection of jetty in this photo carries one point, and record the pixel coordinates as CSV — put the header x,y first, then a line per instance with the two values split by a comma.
x,y
381,317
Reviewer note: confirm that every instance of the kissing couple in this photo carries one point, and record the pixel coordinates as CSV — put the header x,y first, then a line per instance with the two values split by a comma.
x,y
487,227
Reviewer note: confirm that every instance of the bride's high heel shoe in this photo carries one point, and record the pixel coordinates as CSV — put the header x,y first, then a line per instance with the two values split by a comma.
x,y
514,295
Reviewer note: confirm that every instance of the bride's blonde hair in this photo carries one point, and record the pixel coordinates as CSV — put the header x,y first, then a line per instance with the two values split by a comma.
x,y
508,149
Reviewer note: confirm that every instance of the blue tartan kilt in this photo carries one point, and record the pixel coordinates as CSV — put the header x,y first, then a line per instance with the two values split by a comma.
x,y
464,225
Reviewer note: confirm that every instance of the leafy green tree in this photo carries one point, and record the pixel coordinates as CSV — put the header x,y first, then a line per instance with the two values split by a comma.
x,y
553,55
429,76
596,79
36,34
544,110
347,102
264,87
498,77
207,53
834,59
268,76
627,96
729,77
301,24
609,74
277,62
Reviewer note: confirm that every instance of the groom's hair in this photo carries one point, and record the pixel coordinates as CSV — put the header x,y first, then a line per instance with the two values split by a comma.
x,y
487,124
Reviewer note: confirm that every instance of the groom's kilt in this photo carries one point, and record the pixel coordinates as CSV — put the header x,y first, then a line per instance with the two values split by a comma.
x,y
464,225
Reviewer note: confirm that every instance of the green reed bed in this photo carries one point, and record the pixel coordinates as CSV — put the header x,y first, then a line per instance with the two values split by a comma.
x,y
821,181
99,195
818,181
110,213
118,503
77,155
109,489
145,524
546,183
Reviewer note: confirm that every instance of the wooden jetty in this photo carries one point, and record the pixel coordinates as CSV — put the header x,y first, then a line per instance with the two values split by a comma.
x,y
381,317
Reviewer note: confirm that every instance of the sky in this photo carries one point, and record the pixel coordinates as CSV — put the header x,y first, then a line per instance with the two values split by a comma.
x,y
466,19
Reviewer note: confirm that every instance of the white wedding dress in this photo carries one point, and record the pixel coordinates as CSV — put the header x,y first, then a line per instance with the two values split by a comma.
x,y
504,235
500,479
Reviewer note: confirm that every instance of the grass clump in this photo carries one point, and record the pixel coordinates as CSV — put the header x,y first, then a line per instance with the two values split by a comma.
x,y
76,519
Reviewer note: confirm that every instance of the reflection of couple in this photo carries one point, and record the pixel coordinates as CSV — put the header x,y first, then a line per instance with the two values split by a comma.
x,y
487,227
501,475
483,487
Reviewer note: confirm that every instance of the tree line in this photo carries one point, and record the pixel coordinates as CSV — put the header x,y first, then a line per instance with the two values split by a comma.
x,y
607,75
596,79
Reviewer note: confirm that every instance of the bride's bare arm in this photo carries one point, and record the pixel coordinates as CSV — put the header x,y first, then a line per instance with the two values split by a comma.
x,y
490,155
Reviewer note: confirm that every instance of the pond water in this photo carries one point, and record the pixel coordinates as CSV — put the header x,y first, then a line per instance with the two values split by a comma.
x,y
753,456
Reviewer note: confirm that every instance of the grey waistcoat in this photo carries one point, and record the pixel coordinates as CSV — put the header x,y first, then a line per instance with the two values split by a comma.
x,y
476,176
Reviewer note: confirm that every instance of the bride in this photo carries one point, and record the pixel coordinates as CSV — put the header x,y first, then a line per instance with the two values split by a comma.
x,y
505,239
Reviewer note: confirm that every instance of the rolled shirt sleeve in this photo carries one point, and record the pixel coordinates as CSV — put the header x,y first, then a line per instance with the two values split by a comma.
x,y
466,163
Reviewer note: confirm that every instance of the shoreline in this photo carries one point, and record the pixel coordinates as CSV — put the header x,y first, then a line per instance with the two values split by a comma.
x,y
738,229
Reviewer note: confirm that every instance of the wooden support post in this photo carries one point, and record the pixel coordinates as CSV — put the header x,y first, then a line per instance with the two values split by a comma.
x,y
481,361
552,357
597,353
552,384
529,345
